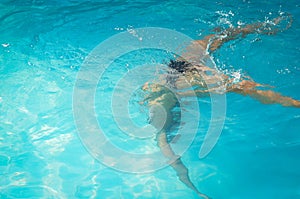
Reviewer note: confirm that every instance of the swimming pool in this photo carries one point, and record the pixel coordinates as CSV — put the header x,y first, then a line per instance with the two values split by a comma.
x,y
43,46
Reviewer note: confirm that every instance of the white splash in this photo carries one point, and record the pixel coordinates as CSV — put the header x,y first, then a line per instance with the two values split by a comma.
x,y
5,45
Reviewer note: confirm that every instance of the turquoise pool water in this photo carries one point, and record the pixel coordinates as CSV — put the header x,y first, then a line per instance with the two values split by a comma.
x,y
43,46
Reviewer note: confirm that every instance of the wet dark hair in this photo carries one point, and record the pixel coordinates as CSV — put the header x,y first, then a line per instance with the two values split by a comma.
x,y
179,66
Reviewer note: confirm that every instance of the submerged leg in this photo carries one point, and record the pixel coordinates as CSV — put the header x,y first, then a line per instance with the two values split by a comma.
x,y
182,173
177,165
164,146
161,105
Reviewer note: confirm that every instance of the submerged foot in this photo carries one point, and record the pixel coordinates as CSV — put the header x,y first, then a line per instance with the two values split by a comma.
x,y
204,196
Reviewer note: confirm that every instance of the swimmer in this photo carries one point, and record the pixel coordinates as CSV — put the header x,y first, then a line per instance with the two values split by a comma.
x,y
244,85
188,72
160,96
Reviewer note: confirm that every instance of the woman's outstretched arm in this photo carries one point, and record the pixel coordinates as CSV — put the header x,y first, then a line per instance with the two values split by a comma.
x,y
248,88
264,96
215,41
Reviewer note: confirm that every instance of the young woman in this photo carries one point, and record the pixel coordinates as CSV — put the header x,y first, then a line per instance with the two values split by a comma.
x,y
186,72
